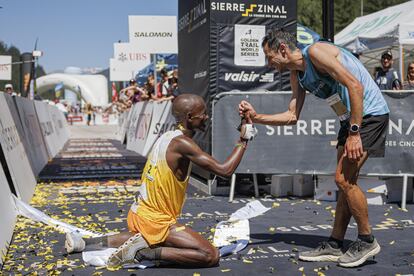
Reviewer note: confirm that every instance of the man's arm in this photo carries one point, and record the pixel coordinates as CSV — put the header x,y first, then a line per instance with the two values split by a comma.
x,y
189,149
289,117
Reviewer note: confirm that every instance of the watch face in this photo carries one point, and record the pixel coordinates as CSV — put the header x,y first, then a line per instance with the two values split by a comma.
x,y
354,128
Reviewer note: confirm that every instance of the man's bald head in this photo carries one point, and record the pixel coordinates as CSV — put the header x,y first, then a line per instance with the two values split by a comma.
x,y
184,104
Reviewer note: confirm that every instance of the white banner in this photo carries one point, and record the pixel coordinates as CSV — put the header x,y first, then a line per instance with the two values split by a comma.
x,y
406,33
118,71
154,34
129,57
139,126
5,68
162,121
60,126
47,127
248,45
16,157
123,125
8,215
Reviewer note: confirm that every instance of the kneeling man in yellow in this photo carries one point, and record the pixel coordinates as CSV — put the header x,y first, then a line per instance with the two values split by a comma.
x,y
154,233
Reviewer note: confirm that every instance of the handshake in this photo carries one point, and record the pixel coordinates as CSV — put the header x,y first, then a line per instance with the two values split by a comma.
x,y
247,129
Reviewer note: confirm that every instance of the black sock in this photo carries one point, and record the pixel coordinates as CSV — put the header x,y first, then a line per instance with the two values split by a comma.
x,y
335,243
96,243
366,238
150,254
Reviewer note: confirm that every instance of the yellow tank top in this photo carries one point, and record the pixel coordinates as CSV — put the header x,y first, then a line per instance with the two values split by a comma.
x,y
161,195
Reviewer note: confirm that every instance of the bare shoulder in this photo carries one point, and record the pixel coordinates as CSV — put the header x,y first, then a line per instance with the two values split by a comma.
x,y
323,49
184,144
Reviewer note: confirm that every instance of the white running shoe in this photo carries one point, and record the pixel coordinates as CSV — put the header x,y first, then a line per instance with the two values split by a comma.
x,y
125,254
74,242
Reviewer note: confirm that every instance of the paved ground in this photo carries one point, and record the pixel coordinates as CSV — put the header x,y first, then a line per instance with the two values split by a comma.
x,y
101,204
90,132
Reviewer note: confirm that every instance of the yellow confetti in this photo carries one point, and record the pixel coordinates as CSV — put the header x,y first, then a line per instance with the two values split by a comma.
x,y
328,207
178,229
247,261
272,229
321,274
275,205
392,242
301,269
196,274
225,270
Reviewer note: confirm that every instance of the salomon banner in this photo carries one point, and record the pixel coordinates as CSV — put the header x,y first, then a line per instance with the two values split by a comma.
x,y
310,145
139,126
15,156
37,151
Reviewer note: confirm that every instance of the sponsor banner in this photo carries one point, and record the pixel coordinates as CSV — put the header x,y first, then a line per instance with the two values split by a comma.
x,y
139,126
47,127
129,57
153,34
60,126
36,147
14,153
5,68
193,33
119,72
248,49
161,122
8,216
310,145
123,125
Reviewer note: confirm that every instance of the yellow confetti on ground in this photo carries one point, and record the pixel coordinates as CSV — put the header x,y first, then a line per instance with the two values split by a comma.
x,y
272,229
181,228
225,270
392,242
247,261
275,205
196,274
301,269
321,274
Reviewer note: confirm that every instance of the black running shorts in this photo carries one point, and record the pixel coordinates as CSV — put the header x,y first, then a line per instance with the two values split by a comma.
x,y
373,133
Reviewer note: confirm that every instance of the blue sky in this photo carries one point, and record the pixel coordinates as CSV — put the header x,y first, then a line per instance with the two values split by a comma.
x,y
77,33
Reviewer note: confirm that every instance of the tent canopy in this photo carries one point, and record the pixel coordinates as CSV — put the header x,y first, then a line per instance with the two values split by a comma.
x,y
370,35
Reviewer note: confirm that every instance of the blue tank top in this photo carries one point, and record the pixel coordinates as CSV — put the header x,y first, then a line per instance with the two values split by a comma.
x,y
323,85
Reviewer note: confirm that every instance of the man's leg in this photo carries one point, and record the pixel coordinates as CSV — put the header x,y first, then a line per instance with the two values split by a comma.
x,y
352,200
182,246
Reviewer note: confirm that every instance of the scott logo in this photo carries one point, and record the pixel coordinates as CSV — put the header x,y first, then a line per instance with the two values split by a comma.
x,y
248,77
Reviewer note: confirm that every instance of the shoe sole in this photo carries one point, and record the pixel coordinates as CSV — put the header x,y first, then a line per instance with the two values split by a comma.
x,y
116,259
324,258
371,253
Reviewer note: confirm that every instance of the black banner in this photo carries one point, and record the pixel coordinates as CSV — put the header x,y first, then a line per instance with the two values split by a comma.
x,y
27,68
309,146
194,46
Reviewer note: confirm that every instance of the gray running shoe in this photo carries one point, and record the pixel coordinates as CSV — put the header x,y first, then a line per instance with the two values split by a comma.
x,y
125,254
74,242
323,253
358,252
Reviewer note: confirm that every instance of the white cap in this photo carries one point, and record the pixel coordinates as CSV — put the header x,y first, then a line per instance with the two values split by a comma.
x,y
9,85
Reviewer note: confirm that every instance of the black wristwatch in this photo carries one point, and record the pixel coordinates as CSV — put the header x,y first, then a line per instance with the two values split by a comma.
x,y
354,129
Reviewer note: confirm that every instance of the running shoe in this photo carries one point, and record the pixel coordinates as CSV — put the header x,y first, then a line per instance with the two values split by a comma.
x,y
358,252
74,242
323,253
125,254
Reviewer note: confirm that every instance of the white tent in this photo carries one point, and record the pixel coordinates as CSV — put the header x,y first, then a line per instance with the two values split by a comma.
x,y
391,28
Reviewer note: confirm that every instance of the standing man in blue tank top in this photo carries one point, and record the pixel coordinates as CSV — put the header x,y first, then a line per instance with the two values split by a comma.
x,y
334,74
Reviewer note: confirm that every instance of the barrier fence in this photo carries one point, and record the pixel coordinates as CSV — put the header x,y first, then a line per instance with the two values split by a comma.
x,y
31,133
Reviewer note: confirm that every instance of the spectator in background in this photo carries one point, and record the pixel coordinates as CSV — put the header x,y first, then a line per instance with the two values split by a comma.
x,y
386,77
9,89
409,83
88,111
163,87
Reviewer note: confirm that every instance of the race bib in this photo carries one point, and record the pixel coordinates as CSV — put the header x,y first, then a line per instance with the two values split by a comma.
x,y
338,107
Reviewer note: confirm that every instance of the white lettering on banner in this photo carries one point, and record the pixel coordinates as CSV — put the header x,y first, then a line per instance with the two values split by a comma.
x,y
399,127
252,10
316,127
200,74
248,77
